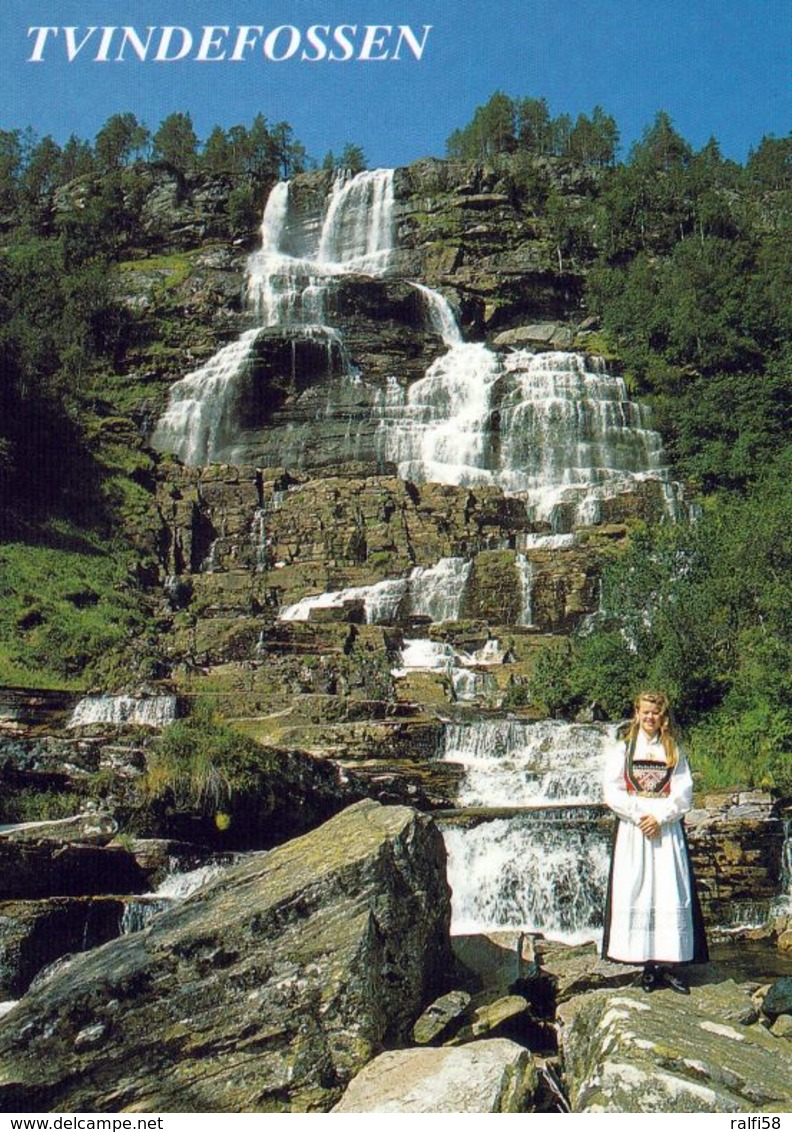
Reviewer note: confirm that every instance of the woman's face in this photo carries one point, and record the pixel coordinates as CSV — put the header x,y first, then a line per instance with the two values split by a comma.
x,y
649,717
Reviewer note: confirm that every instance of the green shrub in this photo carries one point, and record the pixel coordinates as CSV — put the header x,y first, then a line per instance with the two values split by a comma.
x,y
38,805
550,685
749,750
202,768
63,614
517,696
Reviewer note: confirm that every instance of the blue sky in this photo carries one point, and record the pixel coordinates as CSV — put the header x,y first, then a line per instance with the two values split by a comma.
x,y
719,67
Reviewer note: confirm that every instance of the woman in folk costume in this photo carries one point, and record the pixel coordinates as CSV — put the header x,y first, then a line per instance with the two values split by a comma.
x,y
652,914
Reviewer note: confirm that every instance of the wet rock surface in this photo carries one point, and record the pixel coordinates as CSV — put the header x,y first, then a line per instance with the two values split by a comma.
x,y
36,933
30,870
737,852
778,1000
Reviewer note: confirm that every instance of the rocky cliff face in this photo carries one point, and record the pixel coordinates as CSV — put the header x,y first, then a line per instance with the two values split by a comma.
x,y
465,229
328,584
302,553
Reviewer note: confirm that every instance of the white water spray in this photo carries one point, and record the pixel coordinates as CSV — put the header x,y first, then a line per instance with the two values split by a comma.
x,y
543,867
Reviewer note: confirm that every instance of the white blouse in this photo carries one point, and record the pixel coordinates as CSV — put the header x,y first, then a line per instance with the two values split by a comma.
x,y
630,807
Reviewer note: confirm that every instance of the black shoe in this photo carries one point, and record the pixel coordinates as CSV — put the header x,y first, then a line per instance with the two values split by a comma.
x,y
673,982
650,979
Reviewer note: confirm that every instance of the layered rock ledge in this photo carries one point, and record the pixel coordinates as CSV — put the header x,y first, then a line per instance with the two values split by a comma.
x,y
628,1052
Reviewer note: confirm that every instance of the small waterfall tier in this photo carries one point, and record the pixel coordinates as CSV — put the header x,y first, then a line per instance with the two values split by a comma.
x,y
288,280
510,762
198,421
536,874
555,429
122,710
176,887
466,671
540,866
437,593
428,591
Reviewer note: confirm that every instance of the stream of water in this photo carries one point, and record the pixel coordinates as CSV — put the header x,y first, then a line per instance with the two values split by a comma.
x,y
555,429
534,856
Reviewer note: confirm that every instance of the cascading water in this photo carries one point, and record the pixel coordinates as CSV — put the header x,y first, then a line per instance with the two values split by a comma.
x,y
197,421
784,903
176,887
553,428
510,762
438,429
133,711
543,865
468,682
428,591
441,316
525,573
544,875
288,279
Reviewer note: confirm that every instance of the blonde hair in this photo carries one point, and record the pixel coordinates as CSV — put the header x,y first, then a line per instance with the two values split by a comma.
x,y
661,702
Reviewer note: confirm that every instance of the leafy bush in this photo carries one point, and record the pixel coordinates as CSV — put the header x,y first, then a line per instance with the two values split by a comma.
x,y
550,685
749,750
702,611
38,805
204,765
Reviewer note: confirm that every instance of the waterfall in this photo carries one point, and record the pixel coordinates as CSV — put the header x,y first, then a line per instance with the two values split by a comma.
x,y
541,867
258,539
198,420
436,592
176,887
437,431
288,279
510,762
288,276
784,902
555,429
130,711
426,656
358,228
533,875
525,571
441,316
548,542
468,685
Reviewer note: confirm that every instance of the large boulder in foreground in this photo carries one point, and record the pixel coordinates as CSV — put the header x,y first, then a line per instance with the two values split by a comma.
x,y
267,991
626,1051
488,1076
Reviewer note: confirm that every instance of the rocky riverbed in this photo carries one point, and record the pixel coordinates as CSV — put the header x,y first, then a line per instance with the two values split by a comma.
x,y
322,974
